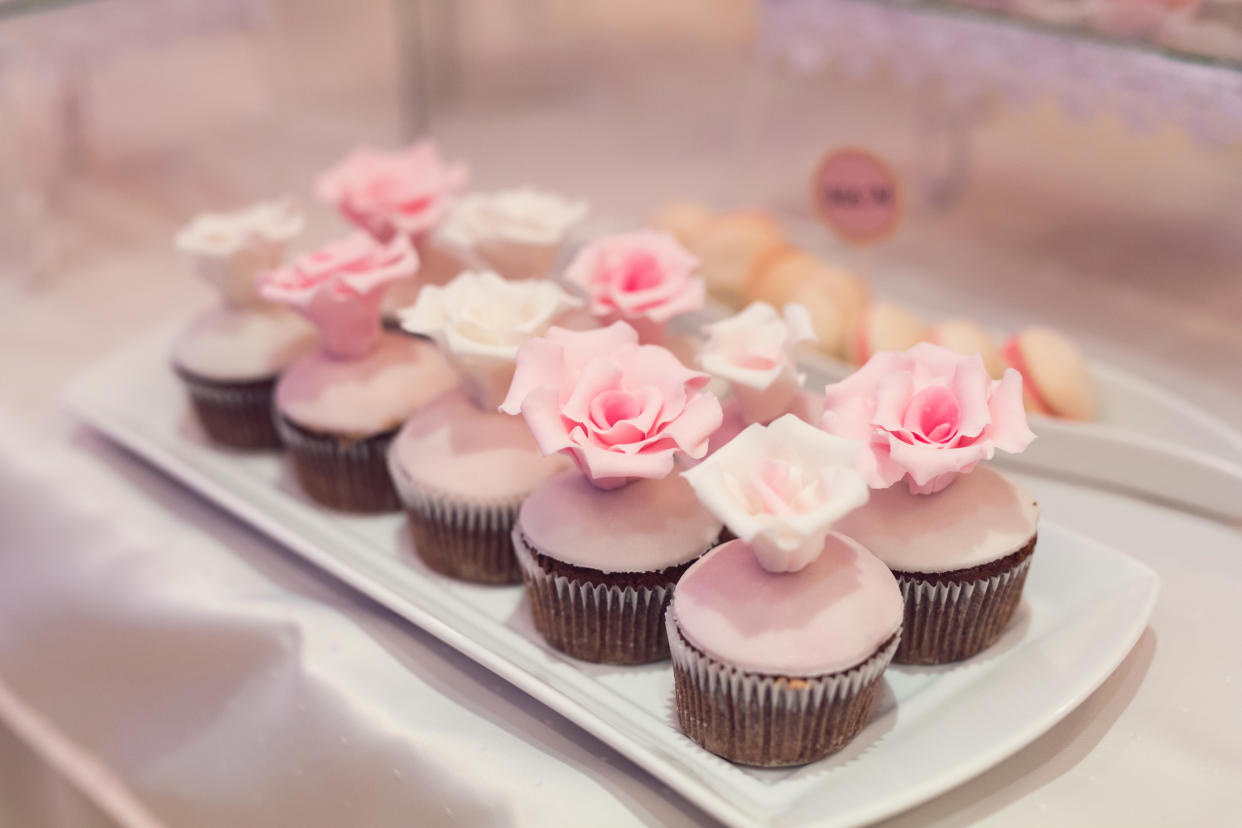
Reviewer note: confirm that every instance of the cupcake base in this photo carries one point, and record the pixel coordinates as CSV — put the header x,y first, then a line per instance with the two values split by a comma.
x,y
954,615
771,721
603,617
350,474
233,414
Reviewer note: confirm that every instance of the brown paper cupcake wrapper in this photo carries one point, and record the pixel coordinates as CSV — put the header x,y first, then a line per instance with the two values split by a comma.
x,y
470,540
234,414
341,472
598,622
947,622
771,721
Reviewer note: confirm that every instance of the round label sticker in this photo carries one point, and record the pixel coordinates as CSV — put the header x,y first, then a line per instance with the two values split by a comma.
x,y
857,195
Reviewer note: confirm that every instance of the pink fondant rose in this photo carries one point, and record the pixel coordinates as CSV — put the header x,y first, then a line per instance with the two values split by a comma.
x,y
340,286
645,278
620,409
926,415
405,192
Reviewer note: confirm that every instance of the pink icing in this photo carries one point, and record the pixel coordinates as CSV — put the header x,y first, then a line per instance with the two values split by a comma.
x,y
645,277
825,618
926,415
646,526
981,518
364,396
621,410
340,287
236,343
404,192
452,446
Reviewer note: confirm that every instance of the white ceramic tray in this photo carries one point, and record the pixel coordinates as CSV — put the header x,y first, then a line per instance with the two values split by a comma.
x,y
1084,607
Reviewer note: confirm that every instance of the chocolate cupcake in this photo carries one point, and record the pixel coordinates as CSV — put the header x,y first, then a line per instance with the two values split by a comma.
x,y
601,549
959,538
230,355
780,638
462,469
960,555
338,409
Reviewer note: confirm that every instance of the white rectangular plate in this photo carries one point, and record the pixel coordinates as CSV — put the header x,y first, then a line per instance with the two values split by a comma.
x,y
1084,607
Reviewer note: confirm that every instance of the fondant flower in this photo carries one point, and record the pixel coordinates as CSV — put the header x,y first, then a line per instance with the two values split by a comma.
x,y
514,232
645,278
756,351
620,409
404,192
926,415
480,319
780,488
232,250
340,286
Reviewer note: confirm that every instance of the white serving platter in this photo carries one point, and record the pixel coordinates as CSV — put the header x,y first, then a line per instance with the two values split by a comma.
x,y
1085,605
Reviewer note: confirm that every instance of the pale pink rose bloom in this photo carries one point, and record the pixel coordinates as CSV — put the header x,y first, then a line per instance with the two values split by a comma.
x,y
403,192
340,286
645,278
620,409
926,415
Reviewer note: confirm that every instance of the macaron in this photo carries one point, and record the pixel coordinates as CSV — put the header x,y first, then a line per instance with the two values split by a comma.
x,y
962,336
683,219
883,327
1055,378
728,246
835,297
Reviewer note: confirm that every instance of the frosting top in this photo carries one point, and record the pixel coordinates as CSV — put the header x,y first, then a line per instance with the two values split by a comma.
x,y
981,517
239,344
455,447
366,395
830,616
647,526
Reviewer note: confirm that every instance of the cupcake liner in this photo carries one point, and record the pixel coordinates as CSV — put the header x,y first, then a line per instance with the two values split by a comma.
x,y
459,537
234,414
771,721
350,474
599,622
951,621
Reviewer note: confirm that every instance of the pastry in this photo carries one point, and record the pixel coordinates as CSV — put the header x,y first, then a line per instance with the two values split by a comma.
x,y
835,297
682,219
728,247
883,328
961,336
1056,380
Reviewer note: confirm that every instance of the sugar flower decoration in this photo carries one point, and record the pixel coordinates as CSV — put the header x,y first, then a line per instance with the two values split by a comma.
x,y
756,352
232,250
926,415
404,192
340,286
620,409
780,488
480,319
515,232
645,278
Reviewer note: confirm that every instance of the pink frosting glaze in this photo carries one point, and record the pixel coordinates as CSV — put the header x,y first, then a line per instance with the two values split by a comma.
x,y
367,395
239,344
981,518
454,447
646,526
825,618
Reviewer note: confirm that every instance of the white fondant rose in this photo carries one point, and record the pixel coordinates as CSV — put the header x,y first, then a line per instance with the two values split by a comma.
x,y
233,250
780,488
514,232
756,351
480,319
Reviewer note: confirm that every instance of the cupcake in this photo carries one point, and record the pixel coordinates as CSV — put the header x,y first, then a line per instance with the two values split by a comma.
x,y
602,546
338,408
1055,379
462,468
883,328
515,233
959,537
780,638
406,192
644,278
230,355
